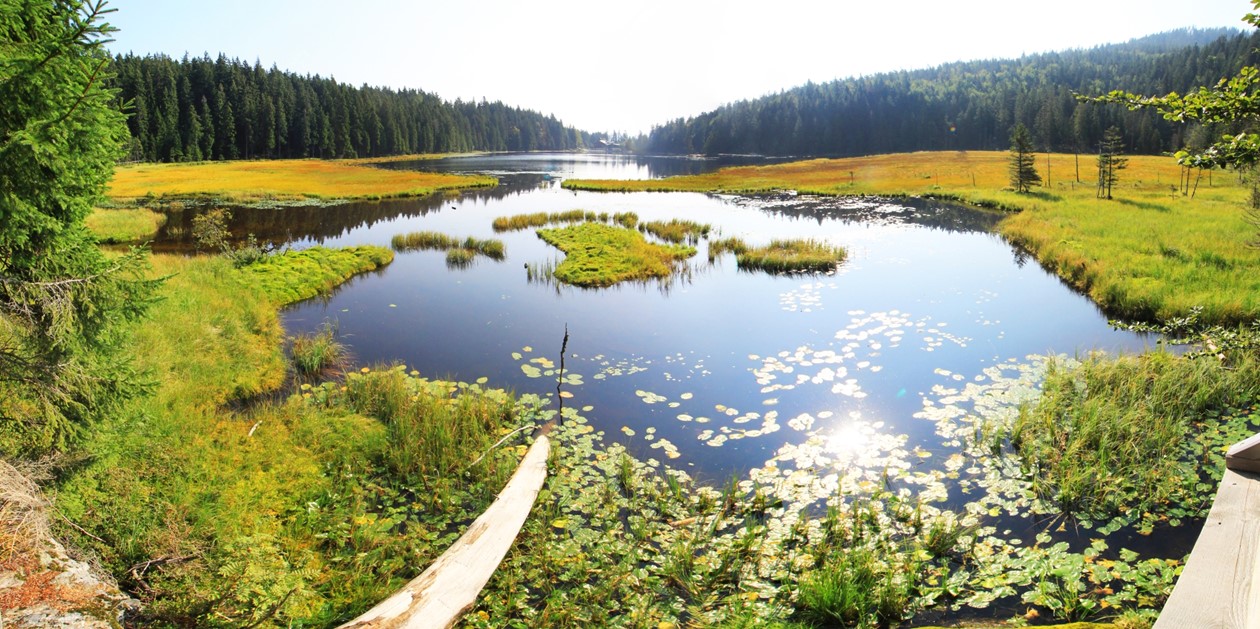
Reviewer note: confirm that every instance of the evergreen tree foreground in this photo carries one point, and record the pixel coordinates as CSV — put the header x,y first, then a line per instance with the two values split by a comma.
x,y
64,305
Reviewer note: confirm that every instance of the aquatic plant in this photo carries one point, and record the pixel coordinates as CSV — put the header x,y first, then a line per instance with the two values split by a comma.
x,y
1132,434
459,257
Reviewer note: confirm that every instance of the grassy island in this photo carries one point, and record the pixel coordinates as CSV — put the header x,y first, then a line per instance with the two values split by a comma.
x,y
282,180
602,255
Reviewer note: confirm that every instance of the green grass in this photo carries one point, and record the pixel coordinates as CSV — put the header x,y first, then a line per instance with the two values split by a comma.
x,y
296,275
602,255
1135,434
302,512
125,226
459,253
1150,254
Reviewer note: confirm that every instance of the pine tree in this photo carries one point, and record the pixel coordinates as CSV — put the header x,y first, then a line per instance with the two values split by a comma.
x,y
1110,161
63,304
1023,168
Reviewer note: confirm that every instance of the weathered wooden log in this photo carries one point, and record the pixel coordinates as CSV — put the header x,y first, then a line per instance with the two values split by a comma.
x,y
441,594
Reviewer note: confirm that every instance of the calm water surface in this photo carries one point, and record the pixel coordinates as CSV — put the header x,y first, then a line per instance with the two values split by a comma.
x,y
720,368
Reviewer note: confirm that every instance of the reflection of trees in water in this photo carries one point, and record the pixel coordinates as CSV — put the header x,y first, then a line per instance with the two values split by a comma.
x,y
282,225
929,213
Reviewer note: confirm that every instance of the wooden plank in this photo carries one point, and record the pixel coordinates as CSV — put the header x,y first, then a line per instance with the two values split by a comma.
x,y
441,594
1220,585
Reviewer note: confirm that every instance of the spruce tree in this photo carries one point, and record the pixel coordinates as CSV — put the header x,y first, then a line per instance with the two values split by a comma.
x,y
1110,161
64,305
1023,168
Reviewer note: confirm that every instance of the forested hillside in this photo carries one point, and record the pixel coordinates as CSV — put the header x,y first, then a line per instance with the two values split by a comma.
x,y
209,109
974,104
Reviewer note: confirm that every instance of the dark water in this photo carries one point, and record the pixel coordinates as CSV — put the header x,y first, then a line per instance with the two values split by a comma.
x,y
718,361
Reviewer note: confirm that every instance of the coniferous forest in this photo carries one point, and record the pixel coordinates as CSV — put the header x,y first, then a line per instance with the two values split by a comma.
x,y
200,108
973,105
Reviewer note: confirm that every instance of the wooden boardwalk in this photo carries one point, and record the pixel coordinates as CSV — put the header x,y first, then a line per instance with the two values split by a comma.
x,y
1220,584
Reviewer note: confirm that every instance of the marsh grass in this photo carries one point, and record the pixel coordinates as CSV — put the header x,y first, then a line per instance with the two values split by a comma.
x,y
125,226
677,231
602,255
281,179
1149,254
319,352
423,240
1132,434
541,219
459,253
781,256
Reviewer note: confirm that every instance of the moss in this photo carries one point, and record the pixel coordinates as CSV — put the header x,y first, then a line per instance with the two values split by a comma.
x,y
296,275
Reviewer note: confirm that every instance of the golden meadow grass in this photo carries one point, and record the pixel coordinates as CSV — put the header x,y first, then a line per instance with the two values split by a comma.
x,y
1150,253
286,179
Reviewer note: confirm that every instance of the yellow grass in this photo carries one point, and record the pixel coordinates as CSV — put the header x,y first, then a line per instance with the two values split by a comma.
x,y
1150,253
287,179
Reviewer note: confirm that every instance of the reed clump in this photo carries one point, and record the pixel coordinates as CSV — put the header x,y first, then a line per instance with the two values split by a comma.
x,y
781,256
677,230
542,219
318,352
458,252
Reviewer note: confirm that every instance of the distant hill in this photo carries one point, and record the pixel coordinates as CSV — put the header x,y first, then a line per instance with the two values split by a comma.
x,y
974,104
209,109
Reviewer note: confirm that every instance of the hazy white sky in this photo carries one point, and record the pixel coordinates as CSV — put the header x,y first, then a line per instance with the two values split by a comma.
x,y
605,65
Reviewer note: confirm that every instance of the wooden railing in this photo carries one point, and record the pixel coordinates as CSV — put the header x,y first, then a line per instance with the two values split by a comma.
x,y
1220,584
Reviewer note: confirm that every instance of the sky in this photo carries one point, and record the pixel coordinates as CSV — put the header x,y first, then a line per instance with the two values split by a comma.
x,y
625,66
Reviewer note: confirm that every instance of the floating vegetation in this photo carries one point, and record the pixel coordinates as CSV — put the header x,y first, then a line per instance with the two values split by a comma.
x,y
603,255
458,258
677,231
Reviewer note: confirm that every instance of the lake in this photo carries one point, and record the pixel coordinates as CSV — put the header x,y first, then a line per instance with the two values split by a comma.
x,y
709,370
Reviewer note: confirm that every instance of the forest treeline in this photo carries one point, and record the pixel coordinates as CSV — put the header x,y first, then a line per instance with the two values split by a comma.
x,y
974,105
200,108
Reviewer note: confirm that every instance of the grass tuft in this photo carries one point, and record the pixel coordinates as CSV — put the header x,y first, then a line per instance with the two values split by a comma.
x,y
602,255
